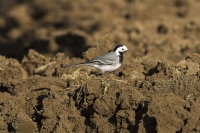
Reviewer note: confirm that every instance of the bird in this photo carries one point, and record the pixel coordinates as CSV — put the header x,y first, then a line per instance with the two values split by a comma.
x,y
107,62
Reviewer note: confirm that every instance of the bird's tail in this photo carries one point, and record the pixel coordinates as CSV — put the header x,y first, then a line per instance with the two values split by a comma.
x,y
79,64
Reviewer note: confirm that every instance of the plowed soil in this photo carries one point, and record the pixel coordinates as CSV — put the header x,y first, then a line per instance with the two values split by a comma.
x,y
156,90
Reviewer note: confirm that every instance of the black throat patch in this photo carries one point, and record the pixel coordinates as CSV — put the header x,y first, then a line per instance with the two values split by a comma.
x,y
121,57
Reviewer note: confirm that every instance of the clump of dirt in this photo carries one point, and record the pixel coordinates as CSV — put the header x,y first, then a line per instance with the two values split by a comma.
x,y
40,96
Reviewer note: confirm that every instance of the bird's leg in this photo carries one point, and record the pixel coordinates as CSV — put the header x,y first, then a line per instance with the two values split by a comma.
x,y
107,80
105,84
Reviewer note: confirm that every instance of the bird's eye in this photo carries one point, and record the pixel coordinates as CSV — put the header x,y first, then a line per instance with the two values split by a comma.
x,y
122,49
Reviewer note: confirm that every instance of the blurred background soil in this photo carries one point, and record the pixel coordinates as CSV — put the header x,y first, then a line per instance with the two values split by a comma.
x,y
156,90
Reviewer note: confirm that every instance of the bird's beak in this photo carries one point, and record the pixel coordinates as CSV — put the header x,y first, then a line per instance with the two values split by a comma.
x,y
128,51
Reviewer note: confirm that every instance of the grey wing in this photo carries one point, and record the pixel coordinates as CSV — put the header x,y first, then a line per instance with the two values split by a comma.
x,y
106,59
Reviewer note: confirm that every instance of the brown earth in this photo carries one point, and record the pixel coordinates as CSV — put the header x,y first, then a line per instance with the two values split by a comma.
x,y
157,88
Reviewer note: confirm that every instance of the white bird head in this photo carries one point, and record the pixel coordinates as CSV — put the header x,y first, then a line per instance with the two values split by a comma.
x,y
120,49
